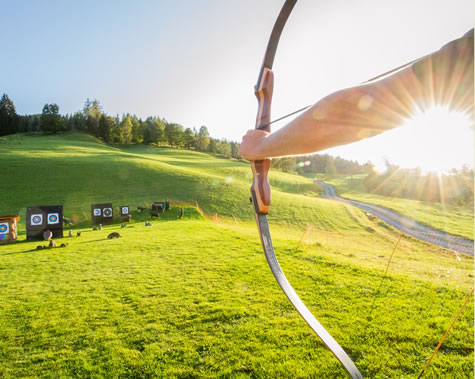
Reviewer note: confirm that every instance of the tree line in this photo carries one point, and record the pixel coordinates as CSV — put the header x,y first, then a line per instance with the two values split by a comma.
x,y
309,165
454,187
128,129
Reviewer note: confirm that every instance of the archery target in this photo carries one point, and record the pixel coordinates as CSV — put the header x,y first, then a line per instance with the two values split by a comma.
x,y
97,212
125,210
107,212
4,228
37,219
53,218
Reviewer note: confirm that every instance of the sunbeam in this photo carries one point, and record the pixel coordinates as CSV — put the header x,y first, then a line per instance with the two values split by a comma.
x,y
437,140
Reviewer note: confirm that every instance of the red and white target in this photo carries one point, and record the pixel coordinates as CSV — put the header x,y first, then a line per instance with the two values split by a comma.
x,y
37,219
53,218
97,211
4,228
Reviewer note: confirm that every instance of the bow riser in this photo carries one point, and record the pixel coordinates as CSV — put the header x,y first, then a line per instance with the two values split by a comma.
x,y
260,188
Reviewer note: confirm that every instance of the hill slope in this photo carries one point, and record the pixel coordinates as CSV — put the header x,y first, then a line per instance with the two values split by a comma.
x,y
191,298
76,170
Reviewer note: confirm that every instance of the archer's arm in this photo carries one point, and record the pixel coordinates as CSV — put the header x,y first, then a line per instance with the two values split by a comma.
x,y
349,115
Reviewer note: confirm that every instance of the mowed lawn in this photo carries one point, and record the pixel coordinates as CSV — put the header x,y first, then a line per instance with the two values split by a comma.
x,y
194,298
189,298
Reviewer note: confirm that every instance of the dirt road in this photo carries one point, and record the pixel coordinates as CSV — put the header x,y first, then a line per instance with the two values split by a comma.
x,y
405,224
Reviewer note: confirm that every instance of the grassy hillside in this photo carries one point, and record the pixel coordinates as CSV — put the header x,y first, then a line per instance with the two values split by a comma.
x,y
451,219
76,170
192,298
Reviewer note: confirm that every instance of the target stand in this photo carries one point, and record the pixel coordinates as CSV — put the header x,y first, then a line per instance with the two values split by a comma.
x,y
8,228
102,213
41,218
125,213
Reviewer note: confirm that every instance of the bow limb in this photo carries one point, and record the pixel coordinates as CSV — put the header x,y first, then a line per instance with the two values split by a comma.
x,y
261,195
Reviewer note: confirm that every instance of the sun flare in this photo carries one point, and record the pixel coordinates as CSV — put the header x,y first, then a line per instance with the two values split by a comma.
x,y
437,139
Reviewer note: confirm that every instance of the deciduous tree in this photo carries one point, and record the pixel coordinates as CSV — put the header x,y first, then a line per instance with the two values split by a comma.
x,y
50,119
188,138
202,140
126,130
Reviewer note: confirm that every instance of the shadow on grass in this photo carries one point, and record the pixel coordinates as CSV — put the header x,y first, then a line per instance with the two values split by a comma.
x,y
98,240
45,247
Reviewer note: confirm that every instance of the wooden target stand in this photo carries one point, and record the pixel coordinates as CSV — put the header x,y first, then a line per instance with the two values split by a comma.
x,y
125,215
42,218
8,228
102,213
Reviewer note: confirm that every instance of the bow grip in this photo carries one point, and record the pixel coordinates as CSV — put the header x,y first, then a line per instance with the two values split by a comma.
x,y
260,189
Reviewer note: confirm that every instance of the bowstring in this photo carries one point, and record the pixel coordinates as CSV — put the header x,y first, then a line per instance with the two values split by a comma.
x,y
365,82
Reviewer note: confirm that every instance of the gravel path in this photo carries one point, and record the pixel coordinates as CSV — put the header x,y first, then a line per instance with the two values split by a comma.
x,y
405,224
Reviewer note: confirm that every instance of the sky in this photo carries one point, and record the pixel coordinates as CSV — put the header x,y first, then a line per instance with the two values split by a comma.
x,y
196,62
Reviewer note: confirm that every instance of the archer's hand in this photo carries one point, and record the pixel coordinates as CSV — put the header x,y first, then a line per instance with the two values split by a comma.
x,y
252,145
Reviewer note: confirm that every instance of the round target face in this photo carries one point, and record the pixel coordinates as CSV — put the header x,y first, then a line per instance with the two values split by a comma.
x,y
4,228
125,210
53,218
97,212
107,212
36,219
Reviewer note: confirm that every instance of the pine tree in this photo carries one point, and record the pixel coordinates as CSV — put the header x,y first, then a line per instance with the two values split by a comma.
x,y
106,124
9,120
147,137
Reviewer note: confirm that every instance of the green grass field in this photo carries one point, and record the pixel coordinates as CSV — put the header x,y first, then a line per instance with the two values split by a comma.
x,y
195,298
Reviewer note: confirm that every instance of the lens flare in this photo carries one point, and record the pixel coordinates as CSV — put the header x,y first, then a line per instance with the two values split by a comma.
x,y
437,139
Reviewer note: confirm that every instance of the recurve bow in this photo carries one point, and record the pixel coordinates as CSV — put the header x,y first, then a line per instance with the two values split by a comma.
x,y
261,193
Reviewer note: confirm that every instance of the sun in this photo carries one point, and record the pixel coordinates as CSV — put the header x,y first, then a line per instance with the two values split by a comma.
x,y
437,139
